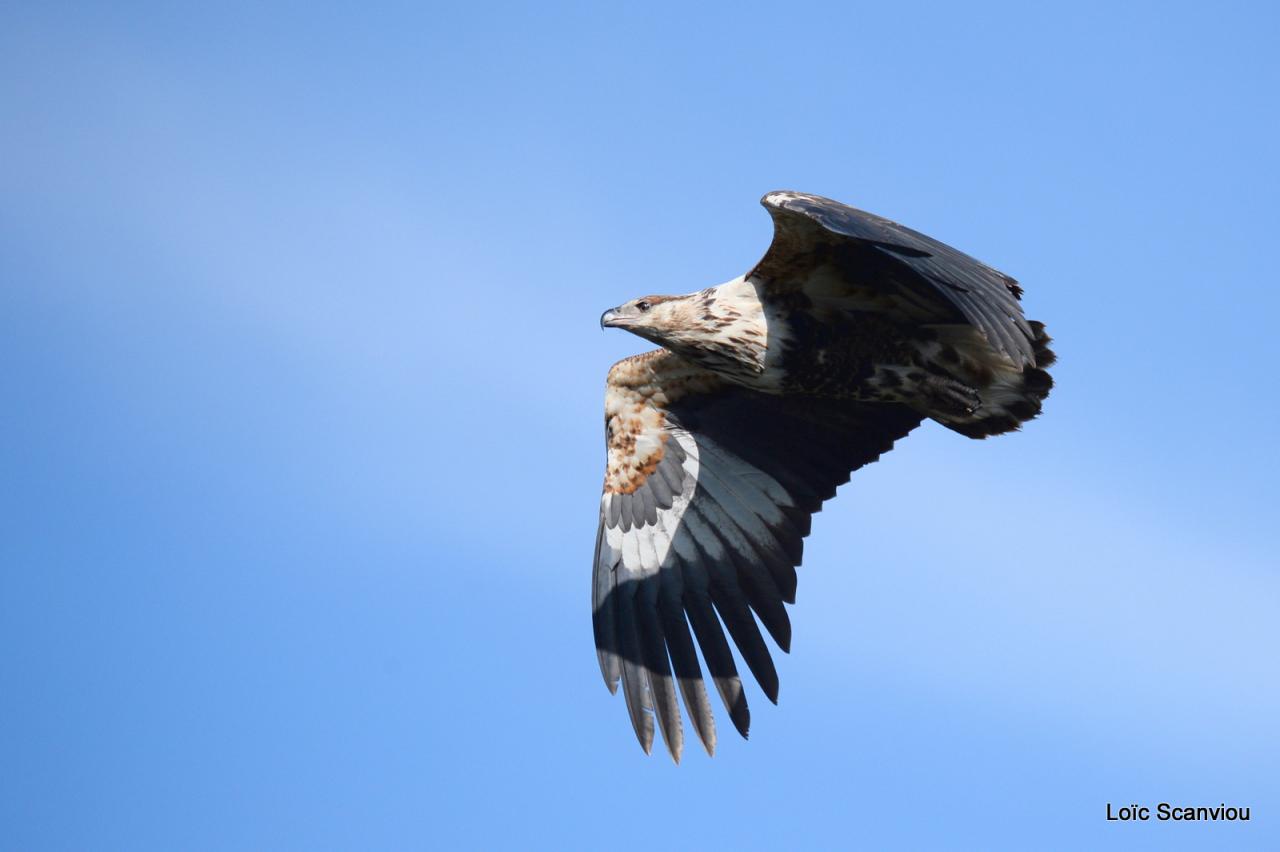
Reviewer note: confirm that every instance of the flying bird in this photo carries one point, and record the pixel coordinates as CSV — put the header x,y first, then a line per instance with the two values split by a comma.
x,y
768,392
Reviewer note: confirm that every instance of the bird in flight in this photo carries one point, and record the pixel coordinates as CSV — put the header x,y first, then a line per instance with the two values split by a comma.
x,y
768,392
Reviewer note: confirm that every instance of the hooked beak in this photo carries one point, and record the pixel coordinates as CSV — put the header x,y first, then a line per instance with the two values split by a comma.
x,y
608,318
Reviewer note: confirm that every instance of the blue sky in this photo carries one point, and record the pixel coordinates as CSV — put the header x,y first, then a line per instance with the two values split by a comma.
x,y
302,441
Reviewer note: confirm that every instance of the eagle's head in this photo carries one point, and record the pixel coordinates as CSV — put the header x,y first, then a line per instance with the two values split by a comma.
x,y
665,320
722,324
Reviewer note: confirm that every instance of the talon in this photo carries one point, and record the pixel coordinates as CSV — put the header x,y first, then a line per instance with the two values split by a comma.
x,y
947,396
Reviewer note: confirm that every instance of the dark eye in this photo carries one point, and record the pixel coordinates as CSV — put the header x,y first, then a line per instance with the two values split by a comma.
x,y
642,306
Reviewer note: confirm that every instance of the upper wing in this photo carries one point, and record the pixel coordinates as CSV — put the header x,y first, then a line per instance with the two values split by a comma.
x,y
708,494
807,227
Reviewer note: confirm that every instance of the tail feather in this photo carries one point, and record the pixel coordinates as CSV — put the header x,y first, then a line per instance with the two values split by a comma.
x,y
1008,398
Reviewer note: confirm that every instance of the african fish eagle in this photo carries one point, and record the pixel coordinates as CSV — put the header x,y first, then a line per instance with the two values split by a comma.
x,y
768,392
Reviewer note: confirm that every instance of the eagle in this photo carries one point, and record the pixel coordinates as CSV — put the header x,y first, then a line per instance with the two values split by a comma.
x,y
768,391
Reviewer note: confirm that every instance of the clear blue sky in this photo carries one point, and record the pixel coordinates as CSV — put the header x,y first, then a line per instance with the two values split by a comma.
x,y
301,407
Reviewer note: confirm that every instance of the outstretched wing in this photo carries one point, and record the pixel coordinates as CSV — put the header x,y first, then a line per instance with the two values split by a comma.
x,y
872,251
708,496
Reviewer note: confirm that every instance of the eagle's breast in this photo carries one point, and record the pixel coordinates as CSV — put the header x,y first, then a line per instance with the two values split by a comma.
x,y
737,333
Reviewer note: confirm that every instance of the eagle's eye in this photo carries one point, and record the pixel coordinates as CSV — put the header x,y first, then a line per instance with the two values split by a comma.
x,y
642,306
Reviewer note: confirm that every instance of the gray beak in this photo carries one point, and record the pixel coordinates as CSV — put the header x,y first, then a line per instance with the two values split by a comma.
x,y
607,318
